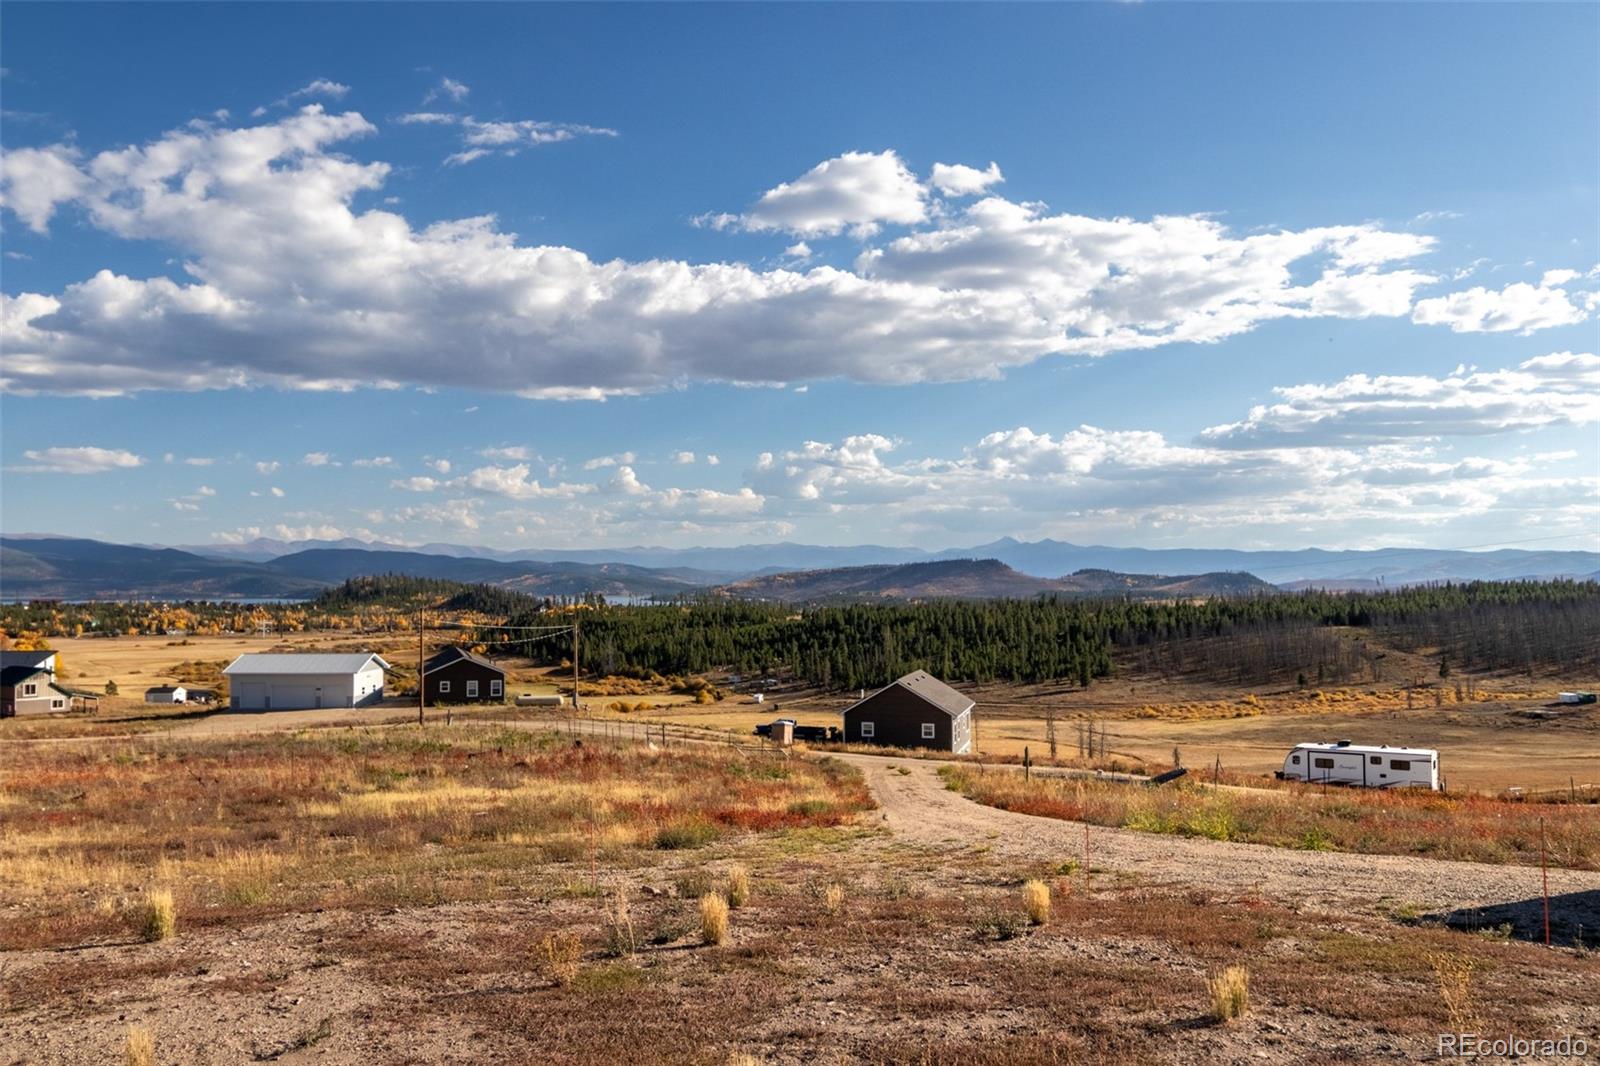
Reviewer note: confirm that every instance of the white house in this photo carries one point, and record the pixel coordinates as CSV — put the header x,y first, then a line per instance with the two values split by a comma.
x,y
268,681
166,694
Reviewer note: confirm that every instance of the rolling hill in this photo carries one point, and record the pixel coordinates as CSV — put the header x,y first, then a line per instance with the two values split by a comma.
x,y
975,579
76,569
1042,558
69,569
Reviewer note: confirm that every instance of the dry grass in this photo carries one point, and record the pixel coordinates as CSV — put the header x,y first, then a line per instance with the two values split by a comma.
x,y
1036,902
139,1047
738,885
1454,974
1230,993
1436,825
713,918
159,915
249,826
560,955
920,987
833,899
621,939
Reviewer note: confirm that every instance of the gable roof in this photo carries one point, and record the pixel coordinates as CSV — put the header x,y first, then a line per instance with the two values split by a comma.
x,y
928,689
35,659
455,655
12,676
296,662
165,688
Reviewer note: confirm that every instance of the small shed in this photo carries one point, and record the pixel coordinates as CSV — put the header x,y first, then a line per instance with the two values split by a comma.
x,y
915,711
166,694
456,675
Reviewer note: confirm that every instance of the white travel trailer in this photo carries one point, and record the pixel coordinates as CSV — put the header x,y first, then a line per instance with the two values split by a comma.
x,y
1362,765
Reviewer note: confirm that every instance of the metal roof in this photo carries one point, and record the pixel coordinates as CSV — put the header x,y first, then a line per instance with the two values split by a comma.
x,y
24,658
455,655
16,675
297,662
930,690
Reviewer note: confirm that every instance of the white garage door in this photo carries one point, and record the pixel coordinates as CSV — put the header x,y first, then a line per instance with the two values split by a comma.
x,y
293,697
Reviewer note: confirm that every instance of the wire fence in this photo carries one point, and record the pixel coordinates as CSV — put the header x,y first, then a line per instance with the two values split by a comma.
x,y
662,734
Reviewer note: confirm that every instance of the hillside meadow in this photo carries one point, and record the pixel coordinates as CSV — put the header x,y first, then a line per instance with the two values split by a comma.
x,y
238,828
1394,822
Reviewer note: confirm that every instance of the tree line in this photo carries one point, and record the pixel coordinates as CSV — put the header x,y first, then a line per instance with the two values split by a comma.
x,y
1480,625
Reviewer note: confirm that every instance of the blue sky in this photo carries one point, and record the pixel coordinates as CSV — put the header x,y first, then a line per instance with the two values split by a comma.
x,y
1249,276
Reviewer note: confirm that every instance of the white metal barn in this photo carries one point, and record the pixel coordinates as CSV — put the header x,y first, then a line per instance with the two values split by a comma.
x,y
278,681
1361,765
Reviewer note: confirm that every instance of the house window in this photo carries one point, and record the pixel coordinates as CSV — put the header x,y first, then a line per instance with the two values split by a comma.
x,y
55,704
928,732
472,689
29,690
444,686
494,687
1399,764
1322,764
868,730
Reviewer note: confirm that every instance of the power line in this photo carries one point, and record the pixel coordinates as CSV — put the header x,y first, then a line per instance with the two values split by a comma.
x,y
486,625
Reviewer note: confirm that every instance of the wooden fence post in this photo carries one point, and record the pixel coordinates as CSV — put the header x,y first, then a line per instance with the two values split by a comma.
x,y
1544,872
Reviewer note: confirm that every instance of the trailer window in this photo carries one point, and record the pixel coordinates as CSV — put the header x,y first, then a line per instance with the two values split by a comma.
x,y
1399,764
1322,764
1377,760
1297,760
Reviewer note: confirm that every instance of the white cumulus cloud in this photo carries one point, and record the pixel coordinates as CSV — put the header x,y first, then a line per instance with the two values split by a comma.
x,y
81,460
955,179
856,190
1519,307
1562,388
287,284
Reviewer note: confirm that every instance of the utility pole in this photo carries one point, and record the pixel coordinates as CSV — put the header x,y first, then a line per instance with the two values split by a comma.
x,y
574,659
422,622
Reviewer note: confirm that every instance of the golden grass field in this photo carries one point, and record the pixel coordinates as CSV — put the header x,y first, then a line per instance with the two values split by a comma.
x,y
1487,743
479,891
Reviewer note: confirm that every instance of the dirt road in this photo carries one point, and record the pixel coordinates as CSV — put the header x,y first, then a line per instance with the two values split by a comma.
x,y
916,807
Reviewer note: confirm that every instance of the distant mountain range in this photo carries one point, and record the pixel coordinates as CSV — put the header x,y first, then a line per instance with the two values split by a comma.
x,y
64,568
977,579
1042,558
36,566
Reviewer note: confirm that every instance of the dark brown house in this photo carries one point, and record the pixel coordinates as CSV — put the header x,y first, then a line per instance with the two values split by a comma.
x,y
456,675
917,711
